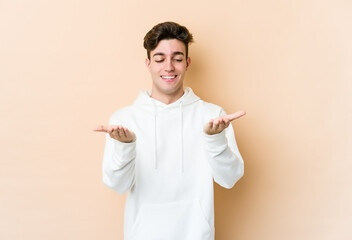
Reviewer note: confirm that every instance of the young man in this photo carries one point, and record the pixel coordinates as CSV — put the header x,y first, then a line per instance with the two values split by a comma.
x,y
167,148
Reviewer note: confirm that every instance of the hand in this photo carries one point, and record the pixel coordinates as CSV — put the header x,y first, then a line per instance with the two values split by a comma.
x,y
118,133
217,125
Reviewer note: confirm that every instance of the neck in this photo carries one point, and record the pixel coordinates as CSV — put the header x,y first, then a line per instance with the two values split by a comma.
x,y
167,98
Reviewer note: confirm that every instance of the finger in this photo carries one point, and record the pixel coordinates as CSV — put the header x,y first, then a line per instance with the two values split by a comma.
x,y
100,128
97,128
122,132
235,115
114,129
130,134
127,132
114,133
215,124
221,120
221,125
226,122
210,124
110,129
119,131
217,121
117,128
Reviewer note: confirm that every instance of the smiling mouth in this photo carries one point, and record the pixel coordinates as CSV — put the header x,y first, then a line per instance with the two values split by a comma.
x,y
169,78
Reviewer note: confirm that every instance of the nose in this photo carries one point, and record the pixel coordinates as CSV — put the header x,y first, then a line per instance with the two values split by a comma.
x,y
169,67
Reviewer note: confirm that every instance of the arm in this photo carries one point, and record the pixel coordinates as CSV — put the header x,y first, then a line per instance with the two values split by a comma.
x,y
224,157
119,156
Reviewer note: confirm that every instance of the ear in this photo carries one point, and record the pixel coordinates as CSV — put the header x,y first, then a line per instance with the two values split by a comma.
x,y
188,62
147,62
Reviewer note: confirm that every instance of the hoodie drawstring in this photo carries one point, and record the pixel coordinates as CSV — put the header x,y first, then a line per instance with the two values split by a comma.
x,y
155,136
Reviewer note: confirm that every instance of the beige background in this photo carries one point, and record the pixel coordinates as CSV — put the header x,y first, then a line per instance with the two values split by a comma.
x,y
65,66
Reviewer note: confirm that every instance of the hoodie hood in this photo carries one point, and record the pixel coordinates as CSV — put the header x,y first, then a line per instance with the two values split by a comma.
x,y
154,107
145,100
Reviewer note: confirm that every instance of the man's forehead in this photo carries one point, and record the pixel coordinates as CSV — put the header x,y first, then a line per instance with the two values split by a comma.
x,y
165,54
169,47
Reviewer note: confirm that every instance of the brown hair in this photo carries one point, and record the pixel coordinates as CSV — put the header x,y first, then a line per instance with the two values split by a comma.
x,y
166,30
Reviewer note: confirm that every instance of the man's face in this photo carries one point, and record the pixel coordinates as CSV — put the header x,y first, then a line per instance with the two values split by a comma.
x,y
167,66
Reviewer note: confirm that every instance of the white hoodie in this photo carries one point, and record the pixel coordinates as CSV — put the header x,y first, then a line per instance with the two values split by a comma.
x,y
169,170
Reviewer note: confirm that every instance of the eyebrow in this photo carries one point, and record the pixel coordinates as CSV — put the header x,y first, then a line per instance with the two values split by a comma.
x,y
163,54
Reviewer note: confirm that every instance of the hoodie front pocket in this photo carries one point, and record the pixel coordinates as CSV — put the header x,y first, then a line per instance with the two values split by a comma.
x,y
171,221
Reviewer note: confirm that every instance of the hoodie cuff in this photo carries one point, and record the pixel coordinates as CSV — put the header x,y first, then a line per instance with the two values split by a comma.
x,y
215,140
124,152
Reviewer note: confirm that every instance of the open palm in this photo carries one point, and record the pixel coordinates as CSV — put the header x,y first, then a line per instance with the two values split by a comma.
x,y
217,125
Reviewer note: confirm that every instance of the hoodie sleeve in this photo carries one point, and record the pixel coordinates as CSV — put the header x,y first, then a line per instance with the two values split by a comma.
x,y
119,164
224,157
